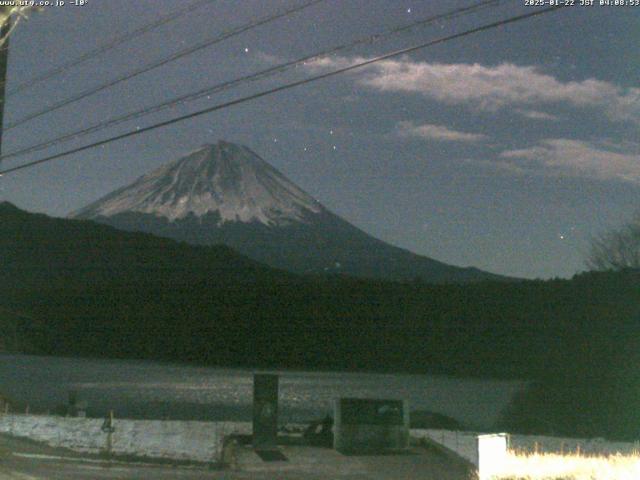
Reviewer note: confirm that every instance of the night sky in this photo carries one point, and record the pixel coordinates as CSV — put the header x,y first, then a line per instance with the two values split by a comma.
x,y
507,150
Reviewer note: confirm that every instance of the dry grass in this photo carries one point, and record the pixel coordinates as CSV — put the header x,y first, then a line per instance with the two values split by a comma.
x,y
572,466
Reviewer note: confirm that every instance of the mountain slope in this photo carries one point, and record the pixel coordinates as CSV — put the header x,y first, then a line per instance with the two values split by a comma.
x,y
36,250
226,194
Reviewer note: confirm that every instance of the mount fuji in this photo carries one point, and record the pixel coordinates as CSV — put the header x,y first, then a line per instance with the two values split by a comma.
x,y
227,194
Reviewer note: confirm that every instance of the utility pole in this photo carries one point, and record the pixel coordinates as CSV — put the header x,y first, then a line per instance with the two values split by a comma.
x,y
4,60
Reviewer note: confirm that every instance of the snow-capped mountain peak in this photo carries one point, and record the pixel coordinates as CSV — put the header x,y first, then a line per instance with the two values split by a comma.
x,y
224,178
226,194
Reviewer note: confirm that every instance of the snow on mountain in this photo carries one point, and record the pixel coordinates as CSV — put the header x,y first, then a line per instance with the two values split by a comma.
x,y
226,194
225,178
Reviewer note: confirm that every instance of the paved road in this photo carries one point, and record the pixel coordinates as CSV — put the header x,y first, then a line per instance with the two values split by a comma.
x,y
24,460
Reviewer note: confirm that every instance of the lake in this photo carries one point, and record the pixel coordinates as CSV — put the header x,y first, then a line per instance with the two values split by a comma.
x,y
145,389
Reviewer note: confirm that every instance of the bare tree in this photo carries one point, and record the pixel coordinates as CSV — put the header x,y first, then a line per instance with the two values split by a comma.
x,y
617,249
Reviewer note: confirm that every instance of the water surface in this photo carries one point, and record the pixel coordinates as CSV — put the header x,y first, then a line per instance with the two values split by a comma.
x,y
144,389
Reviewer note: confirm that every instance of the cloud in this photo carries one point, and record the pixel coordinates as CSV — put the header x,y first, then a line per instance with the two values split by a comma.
x,y
268,58
536,115
497,164
492,87
565,157
436,132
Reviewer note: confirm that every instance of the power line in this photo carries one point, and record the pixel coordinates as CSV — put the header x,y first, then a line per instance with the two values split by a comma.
x,y
248,78
287,86
163,20
162,62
